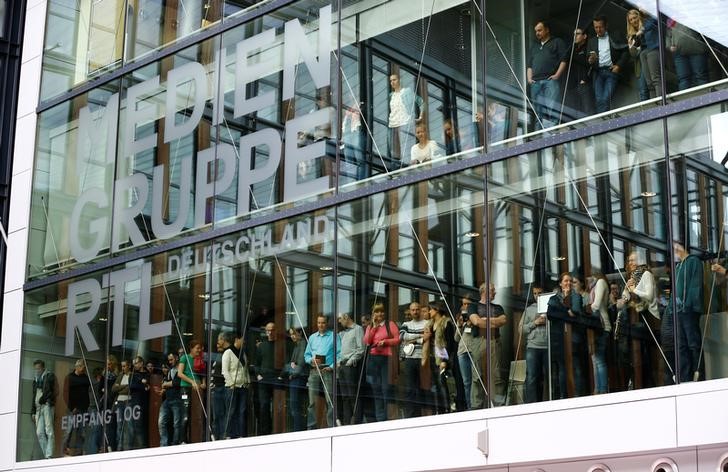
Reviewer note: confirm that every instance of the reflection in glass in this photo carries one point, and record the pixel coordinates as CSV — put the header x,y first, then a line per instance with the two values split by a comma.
x,y
581,338
693,328
408,106
72,189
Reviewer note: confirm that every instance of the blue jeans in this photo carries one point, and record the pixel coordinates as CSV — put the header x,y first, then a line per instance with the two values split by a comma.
x,y
378,378
536,371
219,412
689,345
354,152
297,390
467,374
235,421
545,98
599,361
605,83
578,362
692,70
94,434
413,396
558,365
171,411
44,418
124,429
643,90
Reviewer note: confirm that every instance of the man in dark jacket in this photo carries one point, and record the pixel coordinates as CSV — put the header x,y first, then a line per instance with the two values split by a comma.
x,y
43,407
608,58
76,395
580,91
265,374
689,307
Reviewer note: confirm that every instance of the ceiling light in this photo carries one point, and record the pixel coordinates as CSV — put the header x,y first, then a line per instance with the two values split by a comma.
x,y
472,234
326,268
648,194
204,296
187,333
559,258
102,319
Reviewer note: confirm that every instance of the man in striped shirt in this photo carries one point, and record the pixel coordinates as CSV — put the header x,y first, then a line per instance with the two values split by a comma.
x,y
411,342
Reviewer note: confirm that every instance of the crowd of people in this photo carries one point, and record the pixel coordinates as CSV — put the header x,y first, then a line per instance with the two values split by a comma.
x,y
430,360
588,73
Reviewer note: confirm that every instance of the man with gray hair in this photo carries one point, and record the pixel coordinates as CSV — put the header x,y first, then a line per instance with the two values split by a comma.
x,y
351,339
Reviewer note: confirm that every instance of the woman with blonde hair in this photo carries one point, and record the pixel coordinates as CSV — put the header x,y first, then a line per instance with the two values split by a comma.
x,y
440,347
643,42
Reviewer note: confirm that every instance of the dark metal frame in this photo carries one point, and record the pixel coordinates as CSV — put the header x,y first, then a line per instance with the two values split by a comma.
x,y
10,57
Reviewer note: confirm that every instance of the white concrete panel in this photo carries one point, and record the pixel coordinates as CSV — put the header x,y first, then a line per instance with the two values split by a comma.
x,y
712,458
10,362
34,27
20,201
447,446
29,87
702,418
12,321
312,455
598,430
24,144
7,439
32,3
53,465
684,459
15,260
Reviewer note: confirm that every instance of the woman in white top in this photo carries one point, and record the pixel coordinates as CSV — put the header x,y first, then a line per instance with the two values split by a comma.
x,y
599,300
425,149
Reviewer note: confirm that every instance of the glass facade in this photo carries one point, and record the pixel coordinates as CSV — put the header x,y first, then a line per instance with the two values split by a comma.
x,y
331,214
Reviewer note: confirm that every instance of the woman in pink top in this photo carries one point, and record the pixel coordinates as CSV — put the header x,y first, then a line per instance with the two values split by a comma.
x,y
380,337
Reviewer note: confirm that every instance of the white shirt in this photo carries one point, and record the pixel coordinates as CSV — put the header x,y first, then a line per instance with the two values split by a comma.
x,y
398,114
605,55
429,152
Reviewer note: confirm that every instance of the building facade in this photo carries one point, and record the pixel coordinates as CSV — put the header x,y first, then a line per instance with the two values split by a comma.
x,y
521,205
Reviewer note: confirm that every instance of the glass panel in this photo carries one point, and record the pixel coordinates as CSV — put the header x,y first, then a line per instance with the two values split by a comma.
x,y
152,24
83,39
163,350
565,324
232,8
402,251
698,152
279,110
62,404
563,64
168,165
695,48
271,285
70,220
411,82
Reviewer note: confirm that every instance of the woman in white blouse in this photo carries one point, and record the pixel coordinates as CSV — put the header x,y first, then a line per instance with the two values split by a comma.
x,y
425,150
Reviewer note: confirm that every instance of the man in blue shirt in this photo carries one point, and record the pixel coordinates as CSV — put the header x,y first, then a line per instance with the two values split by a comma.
x,y
319,355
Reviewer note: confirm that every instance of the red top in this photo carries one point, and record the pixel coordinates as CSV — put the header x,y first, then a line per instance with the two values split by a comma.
x,y
373,336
